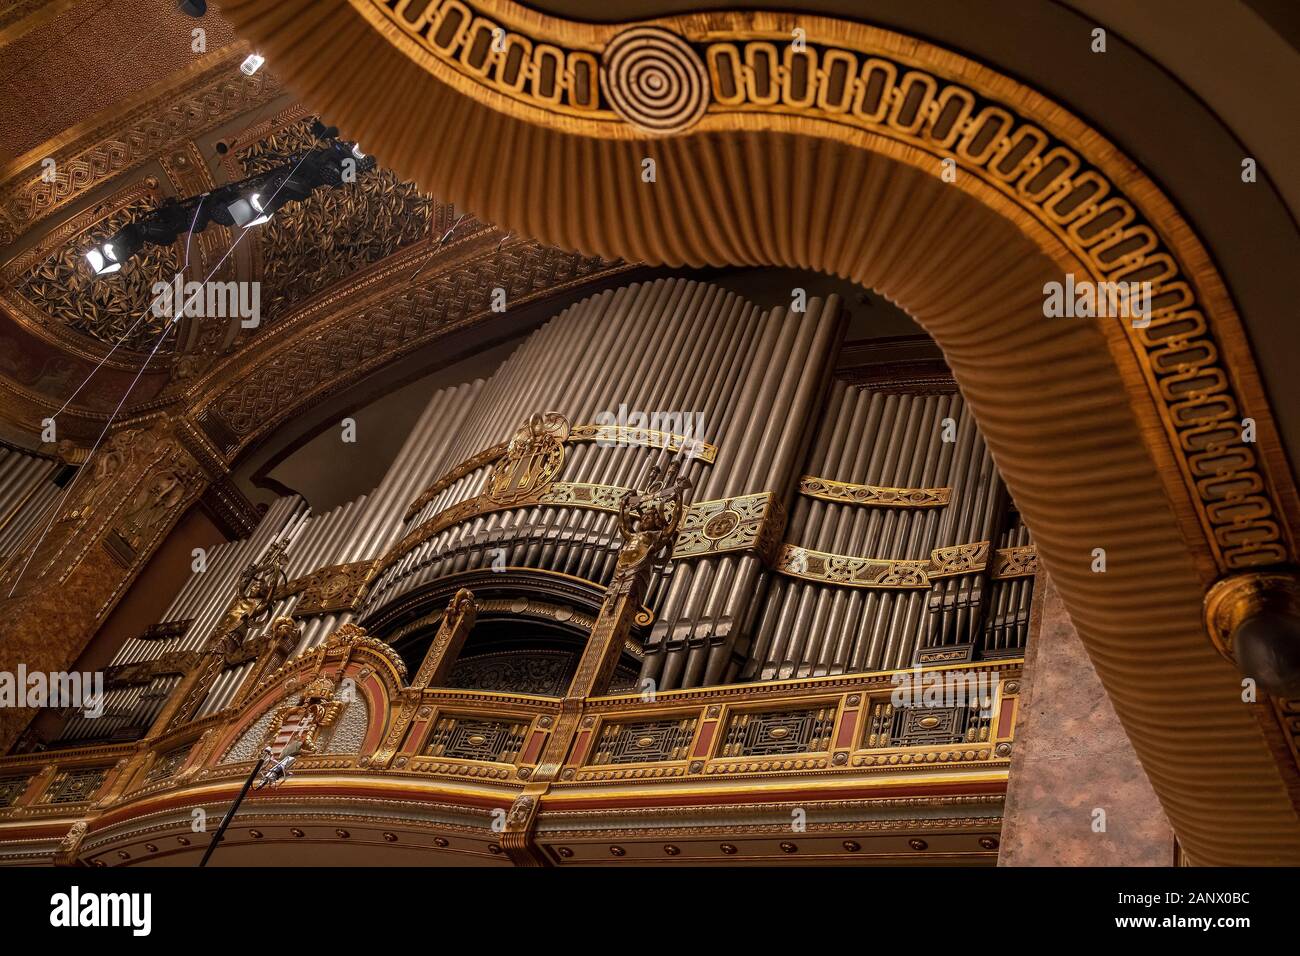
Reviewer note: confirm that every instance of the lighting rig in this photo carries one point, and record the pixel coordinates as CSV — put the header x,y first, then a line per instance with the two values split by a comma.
x,y
248,202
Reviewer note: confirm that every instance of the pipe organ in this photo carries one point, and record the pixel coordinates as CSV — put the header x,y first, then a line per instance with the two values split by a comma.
x,y
675,538
833,528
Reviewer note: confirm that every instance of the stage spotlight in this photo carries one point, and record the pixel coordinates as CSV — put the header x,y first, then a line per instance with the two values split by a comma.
x,y
252,63
109,256
248,211
103,260
263,214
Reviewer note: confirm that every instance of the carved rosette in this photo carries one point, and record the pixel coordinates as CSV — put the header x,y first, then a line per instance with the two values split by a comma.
x,y
655,80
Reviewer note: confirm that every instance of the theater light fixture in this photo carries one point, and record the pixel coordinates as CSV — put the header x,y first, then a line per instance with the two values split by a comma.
x,y
246,211
252,63
103,260
248,202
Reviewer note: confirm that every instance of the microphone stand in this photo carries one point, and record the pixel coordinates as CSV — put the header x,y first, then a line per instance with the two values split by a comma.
x,y
225,822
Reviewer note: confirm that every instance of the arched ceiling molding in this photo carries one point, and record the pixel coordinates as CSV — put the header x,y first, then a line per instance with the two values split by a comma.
x,y
1092,424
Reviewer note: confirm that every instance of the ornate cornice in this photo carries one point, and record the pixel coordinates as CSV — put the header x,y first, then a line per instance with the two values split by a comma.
x,y
207,94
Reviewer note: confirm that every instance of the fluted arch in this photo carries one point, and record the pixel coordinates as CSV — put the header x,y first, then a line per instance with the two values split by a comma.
x,y
1094,425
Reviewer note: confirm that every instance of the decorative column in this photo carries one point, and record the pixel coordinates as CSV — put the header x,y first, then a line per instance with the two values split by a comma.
x,y
648,520
439,659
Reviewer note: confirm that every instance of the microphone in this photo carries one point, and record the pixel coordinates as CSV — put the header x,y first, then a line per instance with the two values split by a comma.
x,y
276,774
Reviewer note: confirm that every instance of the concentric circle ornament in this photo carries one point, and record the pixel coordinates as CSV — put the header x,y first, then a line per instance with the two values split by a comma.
x,y
655,80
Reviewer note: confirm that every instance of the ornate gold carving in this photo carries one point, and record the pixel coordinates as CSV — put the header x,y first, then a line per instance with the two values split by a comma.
x,y
70,845
336,588
645,437
744,523
61,295
333,233
132,137
1241,596
1015,562
655,80
648,519
457,621
851,571
532,460
617,434
260,585
502,59
874,495
958,559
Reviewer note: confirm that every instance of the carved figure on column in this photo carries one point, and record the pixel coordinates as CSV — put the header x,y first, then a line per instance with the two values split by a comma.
x,y
648,518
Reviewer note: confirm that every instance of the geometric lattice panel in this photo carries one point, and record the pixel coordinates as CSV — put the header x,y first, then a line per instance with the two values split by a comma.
x,y
11,788
779,732
645,741
168,764
890,726
74,786
476,739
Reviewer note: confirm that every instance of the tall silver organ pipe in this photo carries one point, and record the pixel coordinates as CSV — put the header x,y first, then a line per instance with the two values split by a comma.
x,y
27,492
810,628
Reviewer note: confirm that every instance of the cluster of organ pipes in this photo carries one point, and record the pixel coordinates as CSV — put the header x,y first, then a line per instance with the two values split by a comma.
x,y
761,384
28,489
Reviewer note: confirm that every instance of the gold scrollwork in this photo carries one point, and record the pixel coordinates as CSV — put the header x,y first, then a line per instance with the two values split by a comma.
x,y
646,437
744,523
1019,562
851,571
532,459
614,434
828,489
